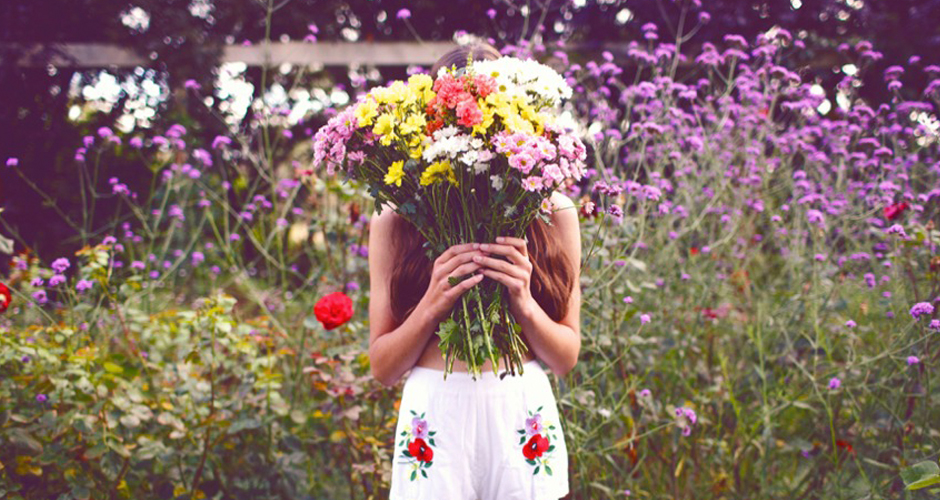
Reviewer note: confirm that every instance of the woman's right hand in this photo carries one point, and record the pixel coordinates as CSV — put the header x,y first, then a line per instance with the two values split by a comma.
x,y
456,261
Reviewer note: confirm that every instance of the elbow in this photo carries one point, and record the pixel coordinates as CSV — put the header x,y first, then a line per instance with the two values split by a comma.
x,y
382,377
569,361
381,373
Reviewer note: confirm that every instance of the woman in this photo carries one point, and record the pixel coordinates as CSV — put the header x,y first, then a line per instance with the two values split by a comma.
x,y
486,439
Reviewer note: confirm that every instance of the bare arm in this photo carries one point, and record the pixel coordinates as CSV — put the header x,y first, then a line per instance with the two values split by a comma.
x,y
393,350
558,344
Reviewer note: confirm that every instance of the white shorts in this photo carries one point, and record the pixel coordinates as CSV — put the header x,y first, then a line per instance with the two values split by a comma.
x,y
484,439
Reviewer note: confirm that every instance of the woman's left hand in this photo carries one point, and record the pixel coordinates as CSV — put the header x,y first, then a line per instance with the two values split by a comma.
x,y
515,274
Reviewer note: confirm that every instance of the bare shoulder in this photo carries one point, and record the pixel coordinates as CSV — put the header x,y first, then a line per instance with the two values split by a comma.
x,y
565,213
386,218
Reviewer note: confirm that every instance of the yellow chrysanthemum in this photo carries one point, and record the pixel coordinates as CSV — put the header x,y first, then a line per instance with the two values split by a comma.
x,y
488,115
414,124
395,173
384,125
438,171
516,123
500,104
394,93
420,82
366,112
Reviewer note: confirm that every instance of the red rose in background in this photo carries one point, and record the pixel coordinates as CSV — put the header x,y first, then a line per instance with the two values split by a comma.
x,y
5,297
333,310
420,450
892,212
535,447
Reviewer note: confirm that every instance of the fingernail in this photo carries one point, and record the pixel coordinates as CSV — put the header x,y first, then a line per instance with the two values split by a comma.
x,y
476,245
499,239
484,246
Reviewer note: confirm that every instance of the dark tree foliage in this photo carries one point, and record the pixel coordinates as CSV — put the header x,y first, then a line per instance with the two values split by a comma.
x,y
182,46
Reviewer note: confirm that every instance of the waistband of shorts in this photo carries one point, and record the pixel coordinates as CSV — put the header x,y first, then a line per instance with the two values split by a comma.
x,y
486,379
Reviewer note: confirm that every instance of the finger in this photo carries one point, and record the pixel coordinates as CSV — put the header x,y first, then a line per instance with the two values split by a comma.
x,y
511,283
519,243
510,251
452,251
448,268
464,269
463,286
497,264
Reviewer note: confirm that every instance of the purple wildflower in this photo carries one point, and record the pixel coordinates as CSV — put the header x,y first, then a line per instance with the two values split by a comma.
x,y
921,309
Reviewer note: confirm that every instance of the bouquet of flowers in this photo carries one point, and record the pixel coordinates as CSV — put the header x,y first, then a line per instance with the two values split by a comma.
x,y
482,138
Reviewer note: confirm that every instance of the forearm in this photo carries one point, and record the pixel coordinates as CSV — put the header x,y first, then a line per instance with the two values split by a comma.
x,y
557,345
394,353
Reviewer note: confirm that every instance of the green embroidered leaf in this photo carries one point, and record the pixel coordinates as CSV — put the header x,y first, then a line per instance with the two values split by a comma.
x,y
548,470
521,431
530,461
425,474
552,427
432,442
414,474
536,471
422,415
403,433
539,409
406,453
428,464
530,413
432,433
550,448
522,440
413,412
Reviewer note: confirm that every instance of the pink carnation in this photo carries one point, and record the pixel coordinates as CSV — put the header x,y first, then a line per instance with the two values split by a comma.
x,y
468,113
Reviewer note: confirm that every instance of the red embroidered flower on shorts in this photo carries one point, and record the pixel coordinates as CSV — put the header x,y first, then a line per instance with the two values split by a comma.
x,y
536,439
416,444
535,447
420,450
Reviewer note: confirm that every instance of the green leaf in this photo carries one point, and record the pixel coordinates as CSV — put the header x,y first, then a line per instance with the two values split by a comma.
x,y
406,453
428,464
522,440
243,424
924,483
96,451
432,433
530,461
536,471
548,470
113,368
921,475
423,473
432,442
414,474
550,448
24,439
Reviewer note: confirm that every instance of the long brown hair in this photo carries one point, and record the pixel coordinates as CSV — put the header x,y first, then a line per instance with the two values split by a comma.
x,y
552,276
